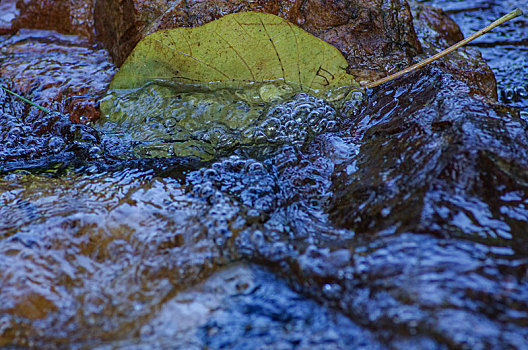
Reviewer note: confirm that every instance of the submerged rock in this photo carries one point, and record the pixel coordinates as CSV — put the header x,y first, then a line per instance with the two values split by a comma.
x,y
451,145
412,219
60,72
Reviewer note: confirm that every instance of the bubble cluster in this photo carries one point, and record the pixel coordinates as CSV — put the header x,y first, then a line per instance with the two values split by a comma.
x,y
162,121
518,93
246,181
36,136
295,120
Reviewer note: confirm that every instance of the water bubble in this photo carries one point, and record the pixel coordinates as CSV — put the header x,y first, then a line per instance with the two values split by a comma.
x,y
95,151
271,126
227,163
332,290
313,117
84,120
55,144
240,164
509,94
248,133
290,126
256,168
210,173
521,91
170,123
331,125
217,166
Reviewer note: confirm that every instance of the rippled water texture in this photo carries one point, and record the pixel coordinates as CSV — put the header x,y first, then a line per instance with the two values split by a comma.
x,y
402,225
505,49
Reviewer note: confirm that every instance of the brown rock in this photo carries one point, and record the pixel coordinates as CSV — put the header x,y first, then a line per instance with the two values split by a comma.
x,y
8,12
437,32
445,31
63,16
376,37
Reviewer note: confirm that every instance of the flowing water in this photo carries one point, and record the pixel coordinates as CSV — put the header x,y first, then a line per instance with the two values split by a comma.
x,y
505,49
400,225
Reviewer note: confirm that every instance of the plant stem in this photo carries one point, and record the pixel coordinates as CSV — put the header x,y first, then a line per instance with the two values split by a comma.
x,y
511,15
25,99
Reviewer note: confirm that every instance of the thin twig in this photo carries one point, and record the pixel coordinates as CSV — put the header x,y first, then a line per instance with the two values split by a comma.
x,y
511,15
25,99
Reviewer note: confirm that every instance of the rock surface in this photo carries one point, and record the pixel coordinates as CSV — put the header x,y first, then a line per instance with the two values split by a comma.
x,y
437,32
73,17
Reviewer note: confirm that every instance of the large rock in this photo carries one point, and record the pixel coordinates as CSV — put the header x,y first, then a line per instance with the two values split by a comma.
x,y
433,159
423,236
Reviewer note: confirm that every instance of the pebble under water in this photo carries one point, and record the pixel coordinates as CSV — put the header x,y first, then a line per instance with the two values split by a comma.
x,y
400,226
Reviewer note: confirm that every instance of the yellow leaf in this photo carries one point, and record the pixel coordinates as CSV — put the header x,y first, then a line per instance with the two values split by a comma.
x,y
234,50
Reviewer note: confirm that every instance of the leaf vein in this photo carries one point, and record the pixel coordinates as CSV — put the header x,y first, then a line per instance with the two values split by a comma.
x,y
238,54
298,55
274,48
195,59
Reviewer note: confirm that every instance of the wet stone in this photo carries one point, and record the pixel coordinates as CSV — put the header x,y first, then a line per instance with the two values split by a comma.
x,y
30,138
73,17
451,152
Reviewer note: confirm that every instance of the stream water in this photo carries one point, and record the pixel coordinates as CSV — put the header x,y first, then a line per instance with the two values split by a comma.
x,y
505,49
401,226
